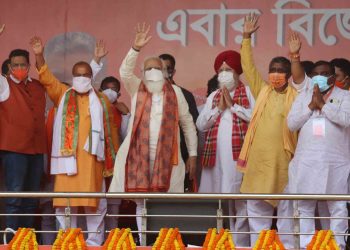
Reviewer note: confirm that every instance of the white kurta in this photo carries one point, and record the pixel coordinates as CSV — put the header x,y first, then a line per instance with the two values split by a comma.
x,y
131,84
321,164
223,177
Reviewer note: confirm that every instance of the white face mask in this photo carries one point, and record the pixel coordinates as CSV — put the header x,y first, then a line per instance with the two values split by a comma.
x,y
154,80
226,79
81,84
111,95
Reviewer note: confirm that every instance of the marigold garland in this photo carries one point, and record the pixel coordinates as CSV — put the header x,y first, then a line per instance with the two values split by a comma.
x,y
268,239
70,239
168,238
222,240
24,239
119,239
322,240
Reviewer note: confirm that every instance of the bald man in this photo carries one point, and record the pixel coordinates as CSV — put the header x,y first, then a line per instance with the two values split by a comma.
x,y
82,148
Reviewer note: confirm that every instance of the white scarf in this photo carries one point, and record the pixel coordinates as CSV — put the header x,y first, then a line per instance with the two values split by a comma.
x,y
67,164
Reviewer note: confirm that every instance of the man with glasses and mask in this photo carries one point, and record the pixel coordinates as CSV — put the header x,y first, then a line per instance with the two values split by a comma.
x,y
269,145
149,158
85,141
224,119
321,164
22,136
169,62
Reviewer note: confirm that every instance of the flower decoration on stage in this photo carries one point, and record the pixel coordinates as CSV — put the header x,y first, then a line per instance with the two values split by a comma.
x,y
322,240
222,240
268,239
169,238
70,239
24,239
120,239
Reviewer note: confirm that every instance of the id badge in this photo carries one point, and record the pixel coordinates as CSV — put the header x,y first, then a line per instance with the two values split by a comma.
x,y
319,127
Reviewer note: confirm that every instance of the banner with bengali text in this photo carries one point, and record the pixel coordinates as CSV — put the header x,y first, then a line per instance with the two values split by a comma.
x,y
194,31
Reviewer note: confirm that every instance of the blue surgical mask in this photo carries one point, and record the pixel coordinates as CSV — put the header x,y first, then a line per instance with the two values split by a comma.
x,y
321,81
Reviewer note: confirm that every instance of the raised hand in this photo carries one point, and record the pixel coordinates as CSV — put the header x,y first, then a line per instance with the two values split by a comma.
x,y
250,25
142,37
2,28
294,43
100,51
38,49
37,45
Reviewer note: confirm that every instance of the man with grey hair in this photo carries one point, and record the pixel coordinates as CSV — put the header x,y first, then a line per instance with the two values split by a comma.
x,y
149,159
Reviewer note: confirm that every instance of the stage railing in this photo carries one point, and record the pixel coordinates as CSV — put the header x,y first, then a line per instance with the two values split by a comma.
x,y
183,196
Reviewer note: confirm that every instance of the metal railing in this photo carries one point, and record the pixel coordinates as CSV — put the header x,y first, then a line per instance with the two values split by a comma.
x,y
184,196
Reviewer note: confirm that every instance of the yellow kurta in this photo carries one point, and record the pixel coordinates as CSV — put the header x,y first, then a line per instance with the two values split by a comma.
x,y
90,171
267,163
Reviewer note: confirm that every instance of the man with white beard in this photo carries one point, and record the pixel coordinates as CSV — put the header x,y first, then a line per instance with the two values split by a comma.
x,y
225,119
149,159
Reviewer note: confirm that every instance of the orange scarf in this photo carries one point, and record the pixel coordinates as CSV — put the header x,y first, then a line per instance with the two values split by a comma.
x,y
137,168
70,125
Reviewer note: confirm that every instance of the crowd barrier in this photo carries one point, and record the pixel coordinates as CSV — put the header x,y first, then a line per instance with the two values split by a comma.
x,y
219,217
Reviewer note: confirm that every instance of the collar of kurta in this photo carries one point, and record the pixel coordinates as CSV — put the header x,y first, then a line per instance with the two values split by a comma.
x,y
15,80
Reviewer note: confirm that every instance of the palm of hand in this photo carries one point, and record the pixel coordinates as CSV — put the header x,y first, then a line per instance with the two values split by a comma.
x,y
140,39
222,103
228,100
319,100
249,27
37,47
294,46
100,51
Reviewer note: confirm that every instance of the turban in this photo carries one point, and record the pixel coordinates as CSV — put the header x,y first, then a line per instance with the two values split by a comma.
x,y
231,58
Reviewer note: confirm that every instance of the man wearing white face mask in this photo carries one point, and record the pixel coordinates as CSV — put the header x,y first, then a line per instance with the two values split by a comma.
x,y
149,158
84,142
110,86
48,223
321,164
225,119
